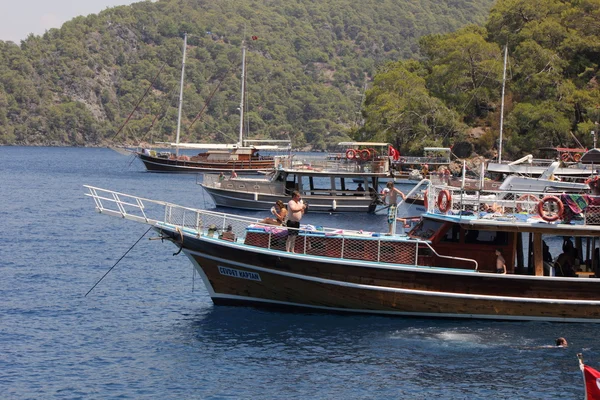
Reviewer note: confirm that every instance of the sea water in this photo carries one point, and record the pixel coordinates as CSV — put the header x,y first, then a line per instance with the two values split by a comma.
x,y
150,330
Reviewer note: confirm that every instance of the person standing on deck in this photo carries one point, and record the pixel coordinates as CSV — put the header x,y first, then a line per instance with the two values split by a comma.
x,y
500,262
296,209
391,195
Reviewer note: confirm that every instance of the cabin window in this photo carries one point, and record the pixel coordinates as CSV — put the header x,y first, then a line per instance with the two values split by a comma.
x,y
452,235
426,229
486,237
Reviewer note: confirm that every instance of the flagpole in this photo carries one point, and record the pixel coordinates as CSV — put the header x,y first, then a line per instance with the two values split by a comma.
x,y
581,365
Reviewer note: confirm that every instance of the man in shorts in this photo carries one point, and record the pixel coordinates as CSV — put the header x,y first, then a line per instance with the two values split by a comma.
x,y
391,193
296,209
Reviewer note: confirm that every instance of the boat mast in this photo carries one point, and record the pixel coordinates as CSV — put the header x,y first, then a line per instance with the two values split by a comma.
x,y
502,105
180,95
240,140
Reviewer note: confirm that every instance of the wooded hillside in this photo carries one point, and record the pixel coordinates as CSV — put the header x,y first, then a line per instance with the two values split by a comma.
x,y
454,93
305,77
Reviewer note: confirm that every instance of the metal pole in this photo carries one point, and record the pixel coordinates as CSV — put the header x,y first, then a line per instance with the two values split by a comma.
x,y
180,94
502,105
240,141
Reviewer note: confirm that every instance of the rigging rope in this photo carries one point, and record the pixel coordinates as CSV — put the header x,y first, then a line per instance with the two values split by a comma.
x,y
140,100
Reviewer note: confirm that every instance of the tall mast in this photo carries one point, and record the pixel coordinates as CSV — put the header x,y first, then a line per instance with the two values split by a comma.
x,y
180,94
240,140
502,104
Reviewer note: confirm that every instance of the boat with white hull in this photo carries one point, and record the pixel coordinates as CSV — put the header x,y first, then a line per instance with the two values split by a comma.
x,y
327,185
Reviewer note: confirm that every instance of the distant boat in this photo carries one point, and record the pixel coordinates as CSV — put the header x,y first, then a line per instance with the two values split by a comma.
x,y
242,157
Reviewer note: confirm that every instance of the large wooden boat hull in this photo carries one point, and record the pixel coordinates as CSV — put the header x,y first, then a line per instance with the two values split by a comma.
x,y
274,278
159,164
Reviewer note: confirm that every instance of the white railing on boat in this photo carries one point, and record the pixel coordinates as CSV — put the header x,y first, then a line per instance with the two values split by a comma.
x,y
246,231
512,205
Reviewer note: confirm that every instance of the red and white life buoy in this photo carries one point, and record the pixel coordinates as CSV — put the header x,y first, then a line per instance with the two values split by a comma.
x,y
527,202
565,157
350,154
365,154
550,217
444,200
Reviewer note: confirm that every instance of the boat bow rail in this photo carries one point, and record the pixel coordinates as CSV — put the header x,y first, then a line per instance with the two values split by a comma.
x,y
244,231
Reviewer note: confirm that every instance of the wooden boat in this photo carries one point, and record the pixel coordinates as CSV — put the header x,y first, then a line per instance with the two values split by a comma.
x,y
444,267
326,183
242,157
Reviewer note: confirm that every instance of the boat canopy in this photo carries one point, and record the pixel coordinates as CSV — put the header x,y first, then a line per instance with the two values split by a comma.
x,y
215,146
347,144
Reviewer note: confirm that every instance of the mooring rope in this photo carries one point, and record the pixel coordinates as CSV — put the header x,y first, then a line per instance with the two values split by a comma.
x,y
123,256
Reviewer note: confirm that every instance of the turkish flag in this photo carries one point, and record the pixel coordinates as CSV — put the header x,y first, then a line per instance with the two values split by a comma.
x,y
591,378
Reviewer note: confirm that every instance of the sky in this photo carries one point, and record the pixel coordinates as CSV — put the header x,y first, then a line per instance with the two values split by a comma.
x,y
19,18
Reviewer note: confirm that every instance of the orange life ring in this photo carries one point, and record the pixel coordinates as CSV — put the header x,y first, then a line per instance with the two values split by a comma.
x,y
565,157
542,213
444,200
527,199
426,200
365,154
576,157
350,154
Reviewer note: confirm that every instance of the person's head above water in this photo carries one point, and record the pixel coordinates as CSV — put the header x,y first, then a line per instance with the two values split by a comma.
x,y
561,342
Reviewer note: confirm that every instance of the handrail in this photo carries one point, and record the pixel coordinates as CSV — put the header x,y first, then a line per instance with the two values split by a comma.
x,y
451,258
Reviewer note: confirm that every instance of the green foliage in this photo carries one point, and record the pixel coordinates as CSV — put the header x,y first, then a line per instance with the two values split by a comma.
x,y
552,90
78,84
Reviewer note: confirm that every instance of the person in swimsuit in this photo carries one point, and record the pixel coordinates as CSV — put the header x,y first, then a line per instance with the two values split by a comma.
x,y
391,195
500,262
295,210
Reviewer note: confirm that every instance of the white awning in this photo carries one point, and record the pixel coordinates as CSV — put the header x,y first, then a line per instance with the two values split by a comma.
x,y
363,144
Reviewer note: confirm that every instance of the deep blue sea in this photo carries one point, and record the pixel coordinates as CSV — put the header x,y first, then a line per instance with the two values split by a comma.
x,y
150,331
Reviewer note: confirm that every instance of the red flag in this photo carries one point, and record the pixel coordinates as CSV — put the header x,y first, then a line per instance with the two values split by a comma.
x,y
591,378
392,152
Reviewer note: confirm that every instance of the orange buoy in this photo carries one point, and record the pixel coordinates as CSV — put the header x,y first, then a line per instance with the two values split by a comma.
x,y
444,200
350,154
565,157
549,217
576,157
527,199
365,154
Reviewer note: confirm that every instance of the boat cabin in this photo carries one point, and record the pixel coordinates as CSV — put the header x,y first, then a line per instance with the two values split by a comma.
x,y
453,240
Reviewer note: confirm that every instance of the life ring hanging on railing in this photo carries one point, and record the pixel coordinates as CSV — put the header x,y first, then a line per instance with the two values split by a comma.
x,y
365,154
350,154
565,157
524,203
548,217
576,157
444,200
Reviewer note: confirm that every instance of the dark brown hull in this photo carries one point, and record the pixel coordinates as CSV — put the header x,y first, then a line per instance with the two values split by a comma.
x,y
159,164
245,275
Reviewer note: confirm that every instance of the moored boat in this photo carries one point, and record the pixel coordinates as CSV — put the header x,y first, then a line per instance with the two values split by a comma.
x,y
242,157
328,183
444,267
